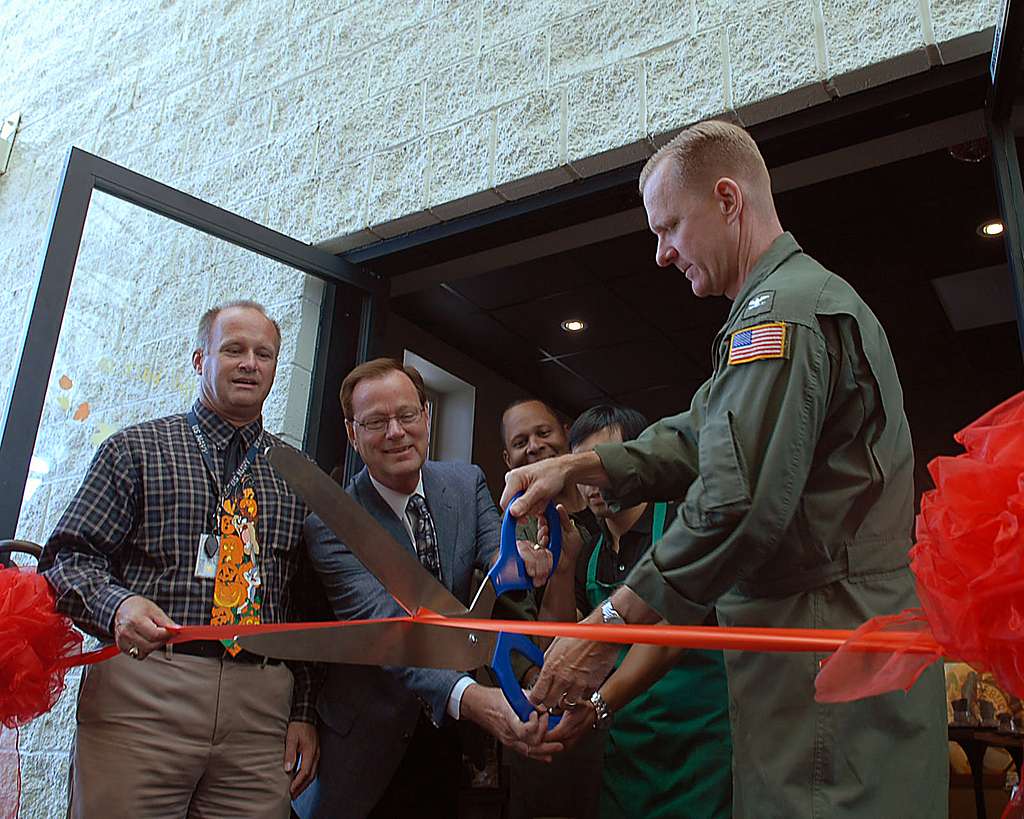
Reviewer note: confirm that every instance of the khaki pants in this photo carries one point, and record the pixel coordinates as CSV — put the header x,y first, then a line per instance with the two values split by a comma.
x,y
182,736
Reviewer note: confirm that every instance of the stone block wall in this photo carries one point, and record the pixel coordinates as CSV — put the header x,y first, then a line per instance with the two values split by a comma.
x,y
343,121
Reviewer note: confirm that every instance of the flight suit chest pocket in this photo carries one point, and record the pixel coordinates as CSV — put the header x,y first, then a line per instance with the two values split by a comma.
x,y
721,469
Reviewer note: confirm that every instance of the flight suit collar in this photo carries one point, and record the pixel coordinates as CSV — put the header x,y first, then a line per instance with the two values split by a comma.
x,y
780,250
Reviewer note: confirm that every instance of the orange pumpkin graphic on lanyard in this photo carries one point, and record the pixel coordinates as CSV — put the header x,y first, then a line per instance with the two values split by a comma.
x,y
229,590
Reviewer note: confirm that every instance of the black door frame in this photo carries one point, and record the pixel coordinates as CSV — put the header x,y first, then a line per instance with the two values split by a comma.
x,y
1005,69
84,173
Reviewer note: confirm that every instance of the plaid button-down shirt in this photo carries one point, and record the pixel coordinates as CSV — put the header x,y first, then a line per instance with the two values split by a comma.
x,y
134,526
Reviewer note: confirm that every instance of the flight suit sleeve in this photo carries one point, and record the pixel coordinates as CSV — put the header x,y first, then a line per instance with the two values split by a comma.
x,y
661,464
755,452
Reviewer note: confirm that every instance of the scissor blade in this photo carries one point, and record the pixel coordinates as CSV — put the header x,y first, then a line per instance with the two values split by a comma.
x,y
379,643
483,604
393,565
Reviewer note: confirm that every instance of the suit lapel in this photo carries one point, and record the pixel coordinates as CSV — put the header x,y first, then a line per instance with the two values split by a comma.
x,y
445,513
369,498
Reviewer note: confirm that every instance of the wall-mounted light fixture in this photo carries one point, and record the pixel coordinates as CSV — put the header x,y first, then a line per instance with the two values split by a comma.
x,y
8,131
991,229
574,325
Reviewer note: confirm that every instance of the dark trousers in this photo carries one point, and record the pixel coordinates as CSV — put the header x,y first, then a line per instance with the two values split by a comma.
x,y
426,783
569,785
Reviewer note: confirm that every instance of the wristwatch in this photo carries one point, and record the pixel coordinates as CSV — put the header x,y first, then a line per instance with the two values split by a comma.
x,y
609,615
602,713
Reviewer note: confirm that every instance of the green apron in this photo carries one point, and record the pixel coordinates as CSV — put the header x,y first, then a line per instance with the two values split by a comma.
x,y
669,751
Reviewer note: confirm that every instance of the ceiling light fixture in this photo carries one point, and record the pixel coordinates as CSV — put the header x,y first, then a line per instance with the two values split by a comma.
x,y
991,229
574,325
973,151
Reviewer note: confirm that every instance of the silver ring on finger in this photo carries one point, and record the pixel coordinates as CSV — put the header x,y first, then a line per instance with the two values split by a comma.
x,y
133,652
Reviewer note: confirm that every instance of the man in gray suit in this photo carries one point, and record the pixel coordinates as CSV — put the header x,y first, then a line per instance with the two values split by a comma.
x,y
388,741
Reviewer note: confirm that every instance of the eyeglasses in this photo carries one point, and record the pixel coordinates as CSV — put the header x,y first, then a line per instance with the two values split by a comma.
x,y
406,418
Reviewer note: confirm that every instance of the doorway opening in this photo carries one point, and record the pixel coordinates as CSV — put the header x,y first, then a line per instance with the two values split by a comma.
x,y
887,188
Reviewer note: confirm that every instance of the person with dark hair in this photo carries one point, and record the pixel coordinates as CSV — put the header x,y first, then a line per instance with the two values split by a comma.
x,y
610,418
669,752
532,431
182,520
390,746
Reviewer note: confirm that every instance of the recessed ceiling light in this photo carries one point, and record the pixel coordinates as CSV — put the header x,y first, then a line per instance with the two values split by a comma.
x,y
574,325
990,229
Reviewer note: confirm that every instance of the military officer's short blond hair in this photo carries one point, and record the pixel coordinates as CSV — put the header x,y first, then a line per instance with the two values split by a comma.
x,y
712,148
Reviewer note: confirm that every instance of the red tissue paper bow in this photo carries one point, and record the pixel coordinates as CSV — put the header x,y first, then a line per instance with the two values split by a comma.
x,y
969,557
37,646
969,565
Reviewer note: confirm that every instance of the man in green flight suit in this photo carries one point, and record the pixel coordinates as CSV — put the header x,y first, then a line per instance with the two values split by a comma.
x,y
795,466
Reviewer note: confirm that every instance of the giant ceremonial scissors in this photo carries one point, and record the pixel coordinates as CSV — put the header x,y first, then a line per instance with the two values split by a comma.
x,y
405,642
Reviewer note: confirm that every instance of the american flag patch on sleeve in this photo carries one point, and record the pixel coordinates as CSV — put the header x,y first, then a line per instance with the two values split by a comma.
x,y
755,343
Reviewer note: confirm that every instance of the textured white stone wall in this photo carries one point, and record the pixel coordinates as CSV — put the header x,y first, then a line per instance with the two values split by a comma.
x,y
346,120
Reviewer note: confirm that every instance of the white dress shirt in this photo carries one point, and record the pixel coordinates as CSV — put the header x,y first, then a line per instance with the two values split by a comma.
x,y
399,503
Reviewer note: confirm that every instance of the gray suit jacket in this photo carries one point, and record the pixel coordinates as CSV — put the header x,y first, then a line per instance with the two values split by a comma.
x,y
370,712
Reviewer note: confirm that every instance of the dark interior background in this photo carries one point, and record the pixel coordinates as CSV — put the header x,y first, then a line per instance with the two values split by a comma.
x,y
892,231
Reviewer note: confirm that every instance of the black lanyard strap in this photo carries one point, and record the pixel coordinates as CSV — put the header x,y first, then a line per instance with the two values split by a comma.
x,y
205,450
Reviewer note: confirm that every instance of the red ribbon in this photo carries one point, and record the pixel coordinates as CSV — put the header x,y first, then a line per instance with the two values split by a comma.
x,y
698,637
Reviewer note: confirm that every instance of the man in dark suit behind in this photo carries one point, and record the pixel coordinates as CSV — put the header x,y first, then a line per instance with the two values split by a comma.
x,y
388,744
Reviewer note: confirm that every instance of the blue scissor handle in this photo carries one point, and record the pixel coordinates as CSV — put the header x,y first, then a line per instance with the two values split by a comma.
x,y
501,662
508,574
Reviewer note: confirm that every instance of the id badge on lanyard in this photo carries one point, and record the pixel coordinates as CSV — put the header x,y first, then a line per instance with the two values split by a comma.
x,y
208,547
207,556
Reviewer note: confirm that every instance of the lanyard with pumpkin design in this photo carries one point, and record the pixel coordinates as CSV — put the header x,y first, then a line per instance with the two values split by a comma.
x,y
238,588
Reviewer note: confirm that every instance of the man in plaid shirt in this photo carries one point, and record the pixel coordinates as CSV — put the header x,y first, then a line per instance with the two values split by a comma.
x,y
181,520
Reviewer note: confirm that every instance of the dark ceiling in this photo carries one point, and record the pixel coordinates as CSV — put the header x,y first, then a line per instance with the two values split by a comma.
x,y
889,231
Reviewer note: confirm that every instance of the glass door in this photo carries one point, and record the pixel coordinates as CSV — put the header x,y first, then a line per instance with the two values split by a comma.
x,y
129,268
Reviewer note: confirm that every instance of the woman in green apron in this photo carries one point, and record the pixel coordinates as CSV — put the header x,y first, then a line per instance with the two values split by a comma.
x,y
669,752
